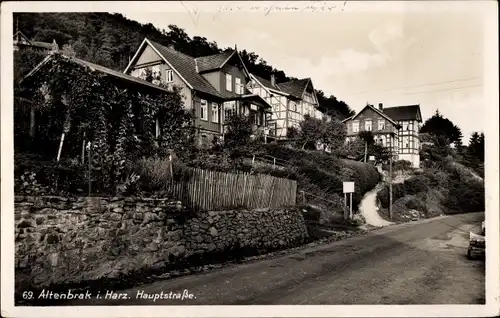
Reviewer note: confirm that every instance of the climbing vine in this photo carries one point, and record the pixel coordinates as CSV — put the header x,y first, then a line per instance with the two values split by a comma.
x,y
120,121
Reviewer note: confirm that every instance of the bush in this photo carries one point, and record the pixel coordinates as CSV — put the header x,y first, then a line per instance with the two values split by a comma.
x,y
402,165
322,174
416,184
35,176
415,203
465,195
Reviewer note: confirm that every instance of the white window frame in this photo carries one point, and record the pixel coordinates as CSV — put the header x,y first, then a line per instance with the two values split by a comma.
x,y
229,82
215,113
169,76
381,124
370,125
229,108
204,110
355,126
238,89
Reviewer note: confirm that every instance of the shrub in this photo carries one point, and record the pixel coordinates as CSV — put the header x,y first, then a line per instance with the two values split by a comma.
x,y
36,176
415,203
402,165
465,195
416,184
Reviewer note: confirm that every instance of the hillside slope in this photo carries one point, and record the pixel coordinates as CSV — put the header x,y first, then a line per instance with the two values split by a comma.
x,y
448,188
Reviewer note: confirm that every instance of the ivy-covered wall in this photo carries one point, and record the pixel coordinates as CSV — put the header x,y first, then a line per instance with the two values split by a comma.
x,y
119,118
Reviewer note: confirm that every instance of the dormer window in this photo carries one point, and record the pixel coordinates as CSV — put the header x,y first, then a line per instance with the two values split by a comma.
x,y
238,88
170,76
229,83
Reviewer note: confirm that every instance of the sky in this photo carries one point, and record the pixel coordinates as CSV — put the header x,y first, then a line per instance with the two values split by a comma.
x,y
395,54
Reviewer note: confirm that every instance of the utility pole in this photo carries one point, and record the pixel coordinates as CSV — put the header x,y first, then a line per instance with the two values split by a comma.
x,y
390,184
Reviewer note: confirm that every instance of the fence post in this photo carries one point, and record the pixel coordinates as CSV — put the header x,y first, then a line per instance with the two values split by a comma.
x,y
253,160
170,167
83,149
303,197
90,167
274,162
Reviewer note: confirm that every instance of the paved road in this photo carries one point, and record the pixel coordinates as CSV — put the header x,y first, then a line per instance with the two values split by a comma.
x,y
418,263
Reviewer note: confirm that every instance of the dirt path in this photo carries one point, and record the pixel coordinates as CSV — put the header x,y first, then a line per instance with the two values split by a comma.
x,y
369,210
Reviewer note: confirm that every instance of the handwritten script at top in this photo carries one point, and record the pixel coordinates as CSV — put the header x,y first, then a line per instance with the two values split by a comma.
x,y
311,6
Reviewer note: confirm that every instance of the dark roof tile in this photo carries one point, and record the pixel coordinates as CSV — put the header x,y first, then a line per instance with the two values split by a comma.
x,y
185,65
410,112
266,83
295,88
212,62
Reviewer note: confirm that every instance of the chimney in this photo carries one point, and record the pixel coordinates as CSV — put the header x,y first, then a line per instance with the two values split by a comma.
x,y
381,106
273,80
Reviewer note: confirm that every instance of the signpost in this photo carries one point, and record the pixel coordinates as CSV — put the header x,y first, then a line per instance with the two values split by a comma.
x,y
348,188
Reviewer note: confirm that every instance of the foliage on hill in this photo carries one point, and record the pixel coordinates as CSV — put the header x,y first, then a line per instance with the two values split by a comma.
x,y
444,186
112,39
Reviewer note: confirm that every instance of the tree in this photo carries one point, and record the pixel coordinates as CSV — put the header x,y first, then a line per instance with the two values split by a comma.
x,y
334,134
312,132
438,151
438,125
238,133
476,146
332,106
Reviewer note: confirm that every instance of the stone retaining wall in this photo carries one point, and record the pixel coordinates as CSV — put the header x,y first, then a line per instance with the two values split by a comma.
x,y
70,240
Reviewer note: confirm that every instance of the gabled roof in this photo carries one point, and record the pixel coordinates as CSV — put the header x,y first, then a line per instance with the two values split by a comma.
x,y
213,62
266,83
217,61
410,112
96,67
184,65
295,88
383,114
22,35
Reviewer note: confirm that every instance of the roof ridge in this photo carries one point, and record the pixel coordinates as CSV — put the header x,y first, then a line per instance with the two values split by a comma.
x,y
170,49
232,50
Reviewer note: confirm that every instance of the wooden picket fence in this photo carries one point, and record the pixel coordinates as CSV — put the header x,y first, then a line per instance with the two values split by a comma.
x,y
213,190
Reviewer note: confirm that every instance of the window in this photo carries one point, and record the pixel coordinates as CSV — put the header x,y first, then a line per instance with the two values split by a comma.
x,y
406,142
410,126
381,124
215,113
238,88
355,126
368,124
229,109
229,82
170,76
204,110
405,125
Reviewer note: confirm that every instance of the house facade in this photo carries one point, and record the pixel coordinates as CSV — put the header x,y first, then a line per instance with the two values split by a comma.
x,y
393,127
290,102
213,87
